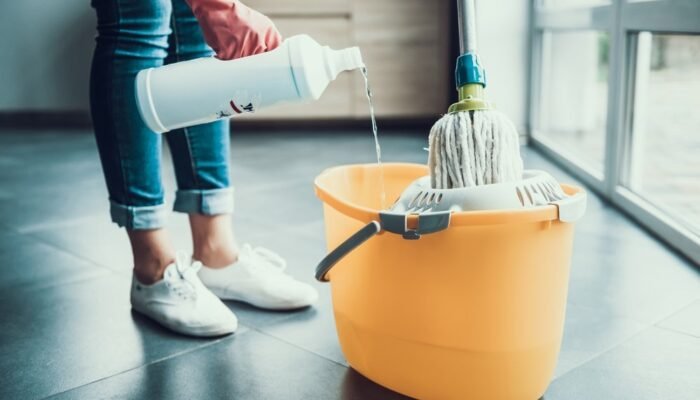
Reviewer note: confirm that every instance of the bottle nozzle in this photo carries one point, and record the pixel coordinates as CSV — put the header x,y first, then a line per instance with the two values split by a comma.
x,y
352,58
338,61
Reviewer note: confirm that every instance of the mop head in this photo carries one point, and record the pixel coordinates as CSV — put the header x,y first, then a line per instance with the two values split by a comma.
x,y
471,148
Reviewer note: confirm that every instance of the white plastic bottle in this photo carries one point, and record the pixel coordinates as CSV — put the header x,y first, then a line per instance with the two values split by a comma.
x,y
203,90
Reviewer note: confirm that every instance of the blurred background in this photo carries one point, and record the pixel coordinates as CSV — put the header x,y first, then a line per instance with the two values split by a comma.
x,y
605,93
406,44
607,88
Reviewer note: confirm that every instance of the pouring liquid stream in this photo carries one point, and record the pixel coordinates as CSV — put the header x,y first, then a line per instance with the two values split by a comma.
x,y
382,187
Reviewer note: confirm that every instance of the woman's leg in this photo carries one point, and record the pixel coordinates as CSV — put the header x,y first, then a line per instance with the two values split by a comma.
x,y
152,252
201,159
213,240
132,35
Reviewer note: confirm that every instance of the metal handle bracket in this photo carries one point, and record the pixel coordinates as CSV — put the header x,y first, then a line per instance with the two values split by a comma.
x,y
391,222
430,222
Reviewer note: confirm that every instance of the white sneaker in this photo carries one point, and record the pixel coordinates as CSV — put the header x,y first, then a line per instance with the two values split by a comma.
x,y
258,278
181,302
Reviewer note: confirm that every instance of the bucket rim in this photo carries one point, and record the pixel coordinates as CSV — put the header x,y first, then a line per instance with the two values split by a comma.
x,y
463,218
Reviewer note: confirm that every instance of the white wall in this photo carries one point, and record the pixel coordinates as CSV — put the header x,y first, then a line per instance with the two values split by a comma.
x,y
47,45
45,51
502,30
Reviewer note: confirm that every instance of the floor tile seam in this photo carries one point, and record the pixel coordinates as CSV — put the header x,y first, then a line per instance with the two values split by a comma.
x,y
669,329
287,342
599,353
636,319
607,350
678,311
302,229
614,314
611,346
96,275
35,228
274,186
153,362
264,325
674,311
286,228
77,255
647,324
10,229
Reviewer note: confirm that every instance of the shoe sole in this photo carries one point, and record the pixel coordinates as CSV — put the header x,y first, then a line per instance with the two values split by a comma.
x,y
196,332
287,307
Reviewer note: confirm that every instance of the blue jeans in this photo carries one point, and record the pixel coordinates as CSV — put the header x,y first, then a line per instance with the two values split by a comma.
x,y
133,35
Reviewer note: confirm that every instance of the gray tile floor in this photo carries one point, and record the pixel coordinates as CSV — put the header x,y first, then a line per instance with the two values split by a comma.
x,y
66,329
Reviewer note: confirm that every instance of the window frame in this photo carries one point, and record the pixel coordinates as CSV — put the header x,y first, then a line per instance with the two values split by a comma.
x,y
622,20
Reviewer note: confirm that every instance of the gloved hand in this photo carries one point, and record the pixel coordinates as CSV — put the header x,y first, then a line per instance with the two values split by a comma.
x,y
233,29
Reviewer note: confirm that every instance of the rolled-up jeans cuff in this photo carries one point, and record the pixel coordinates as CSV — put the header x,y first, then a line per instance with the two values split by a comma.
x,y
207,202
138,217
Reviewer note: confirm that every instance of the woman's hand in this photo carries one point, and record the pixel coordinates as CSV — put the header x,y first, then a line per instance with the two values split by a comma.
x,y
233,29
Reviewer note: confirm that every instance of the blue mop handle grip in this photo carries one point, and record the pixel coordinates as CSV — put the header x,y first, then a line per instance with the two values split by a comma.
x,y
469,70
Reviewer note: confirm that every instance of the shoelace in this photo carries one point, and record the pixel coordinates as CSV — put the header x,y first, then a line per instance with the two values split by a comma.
x,y
187,270
269,261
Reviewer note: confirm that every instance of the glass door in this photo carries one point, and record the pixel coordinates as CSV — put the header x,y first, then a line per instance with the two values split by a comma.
x,y
615,98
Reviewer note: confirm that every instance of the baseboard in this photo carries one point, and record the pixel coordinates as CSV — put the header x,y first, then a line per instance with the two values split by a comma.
x,y
64,119
81,120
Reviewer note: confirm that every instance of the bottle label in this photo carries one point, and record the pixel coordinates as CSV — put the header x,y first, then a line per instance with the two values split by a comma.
x,y
241,102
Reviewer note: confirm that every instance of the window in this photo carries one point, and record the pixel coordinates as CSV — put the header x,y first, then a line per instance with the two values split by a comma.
x,y
665,142
615,98
572,3
575,94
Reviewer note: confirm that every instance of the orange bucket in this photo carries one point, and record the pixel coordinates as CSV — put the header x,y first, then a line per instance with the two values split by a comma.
x,y
474,311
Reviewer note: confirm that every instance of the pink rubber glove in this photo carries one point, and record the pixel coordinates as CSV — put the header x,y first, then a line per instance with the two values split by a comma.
x,y
233,29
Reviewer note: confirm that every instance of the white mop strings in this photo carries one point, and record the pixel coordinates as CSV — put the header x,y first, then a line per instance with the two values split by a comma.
x,y
473,148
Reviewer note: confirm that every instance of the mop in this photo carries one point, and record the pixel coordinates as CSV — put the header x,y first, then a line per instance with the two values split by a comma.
x,y
475,165
472,144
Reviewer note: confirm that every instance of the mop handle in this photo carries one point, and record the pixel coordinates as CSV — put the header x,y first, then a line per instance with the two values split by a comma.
x,y
466,17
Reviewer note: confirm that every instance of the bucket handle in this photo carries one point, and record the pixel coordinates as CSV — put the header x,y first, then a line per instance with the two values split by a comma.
x,y
346,247
429,222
